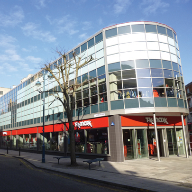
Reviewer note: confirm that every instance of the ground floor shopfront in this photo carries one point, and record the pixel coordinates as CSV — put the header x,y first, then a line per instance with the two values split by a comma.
x,y
118,138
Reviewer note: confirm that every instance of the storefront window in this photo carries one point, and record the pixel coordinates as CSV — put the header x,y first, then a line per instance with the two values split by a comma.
x,y
171,139
33,141
180,141
79,141
97,141
142,143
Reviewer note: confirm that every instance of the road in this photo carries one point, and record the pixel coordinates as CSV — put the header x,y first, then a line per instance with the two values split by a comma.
x,y
18,175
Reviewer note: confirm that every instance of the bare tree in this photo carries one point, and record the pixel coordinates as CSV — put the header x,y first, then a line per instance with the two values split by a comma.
x,y
63,71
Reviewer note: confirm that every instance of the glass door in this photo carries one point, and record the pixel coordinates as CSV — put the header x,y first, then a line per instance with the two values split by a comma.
x,y
171,138
180,141
142,143
129,144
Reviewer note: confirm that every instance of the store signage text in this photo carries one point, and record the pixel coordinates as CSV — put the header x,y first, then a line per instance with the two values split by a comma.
x,y
83,124
4,133
158,120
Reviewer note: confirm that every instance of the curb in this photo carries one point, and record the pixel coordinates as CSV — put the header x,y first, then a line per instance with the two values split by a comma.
x,y
87,178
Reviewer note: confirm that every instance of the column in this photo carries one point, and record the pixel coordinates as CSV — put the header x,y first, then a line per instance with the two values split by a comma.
x,y
184,134
156,136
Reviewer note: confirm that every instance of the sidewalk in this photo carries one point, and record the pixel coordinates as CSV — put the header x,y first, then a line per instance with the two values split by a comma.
x,y
170,174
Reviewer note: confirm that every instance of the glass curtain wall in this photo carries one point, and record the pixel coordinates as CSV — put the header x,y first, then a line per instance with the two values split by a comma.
x,y
171,139
180,141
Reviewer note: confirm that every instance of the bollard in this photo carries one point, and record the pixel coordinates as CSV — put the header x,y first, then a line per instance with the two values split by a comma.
x,y
19,151
7,149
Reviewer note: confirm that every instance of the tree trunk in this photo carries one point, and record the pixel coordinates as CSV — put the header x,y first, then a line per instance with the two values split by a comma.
x,y
72,142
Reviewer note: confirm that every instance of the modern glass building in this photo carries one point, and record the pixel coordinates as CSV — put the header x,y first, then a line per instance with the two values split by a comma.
x,y
133,104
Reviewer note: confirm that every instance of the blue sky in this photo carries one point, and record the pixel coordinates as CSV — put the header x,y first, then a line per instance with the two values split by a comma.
x,y
30,30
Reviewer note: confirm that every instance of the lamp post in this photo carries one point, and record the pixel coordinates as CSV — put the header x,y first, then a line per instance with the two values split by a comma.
x,y
38,84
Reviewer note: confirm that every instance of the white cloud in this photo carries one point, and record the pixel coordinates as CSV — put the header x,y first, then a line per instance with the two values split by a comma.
x,y
120,6
86,25
14,17
40,4
64,24
34,59
83,36
7,41
7,67
31,29
151,6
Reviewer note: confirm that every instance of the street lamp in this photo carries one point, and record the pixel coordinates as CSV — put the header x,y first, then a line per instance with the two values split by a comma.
x,y
38,84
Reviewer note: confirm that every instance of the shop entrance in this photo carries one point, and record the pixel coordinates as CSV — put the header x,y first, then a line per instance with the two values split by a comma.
x,y
152,145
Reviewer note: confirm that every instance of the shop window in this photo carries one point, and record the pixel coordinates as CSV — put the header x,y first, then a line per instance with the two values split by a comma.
x,y
111,32
158,82
78,96
158,92
127,65
86,93
115,76
131,83
155,63
124,29
144,82
99,38
150,28
79,141
130,93
146,102
143,73
145,92
161,30
170,92
115,85
156,72
115,95
142,63
138,28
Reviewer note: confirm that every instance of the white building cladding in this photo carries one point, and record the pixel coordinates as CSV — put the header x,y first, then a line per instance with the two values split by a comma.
x,y
136,70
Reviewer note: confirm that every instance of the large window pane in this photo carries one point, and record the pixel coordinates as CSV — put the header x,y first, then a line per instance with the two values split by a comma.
x,y
115,95
99,38
94,99
102,97
138,28
101,70
101,79
78,96
166,64
124,29
93,90
156,72
145,92
158,82
170,92
142,63
168,73
143,73
115,76
127,65
154,63
102,88
158,92
114,67
115,85
129,83
161,30
175,66
111,32
144,82
86,93
83,47
169,33
169,82
128,74
92,74
90,42
150,28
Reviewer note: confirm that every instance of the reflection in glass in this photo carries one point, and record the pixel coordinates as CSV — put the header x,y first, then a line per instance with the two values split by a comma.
x,y
168,73
131,83
142,143
100,70
158,92
93,82
78,95
176,75
93,90
168,82
124,29
138,28
144,82
161,30
79,103
114,67
156,73
169,33
115,85
150,28
101,79
102,97
94,99
92,74
99,38
127,65
115,95
128,74
143,63
86,102
86,93
155,63
175,66
102,88
143,73
111,32
115,76
166,64
130,93
158,82
145,92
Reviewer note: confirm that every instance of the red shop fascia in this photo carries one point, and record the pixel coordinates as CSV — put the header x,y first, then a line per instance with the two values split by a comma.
x,y
82,124
147,121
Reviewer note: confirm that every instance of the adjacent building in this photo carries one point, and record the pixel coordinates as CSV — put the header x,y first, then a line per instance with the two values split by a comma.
x,y
133,104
